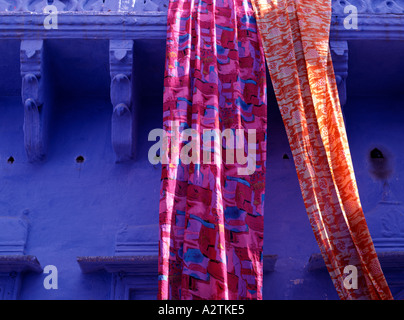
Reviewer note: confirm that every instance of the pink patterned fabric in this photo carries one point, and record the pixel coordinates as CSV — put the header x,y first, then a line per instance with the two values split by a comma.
x,y
211,217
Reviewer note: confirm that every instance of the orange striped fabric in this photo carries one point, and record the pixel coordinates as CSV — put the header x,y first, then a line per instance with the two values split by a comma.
x,y
295,36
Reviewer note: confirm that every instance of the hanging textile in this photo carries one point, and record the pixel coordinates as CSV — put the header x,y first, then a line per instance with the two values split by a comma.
x,y
211,216
295,36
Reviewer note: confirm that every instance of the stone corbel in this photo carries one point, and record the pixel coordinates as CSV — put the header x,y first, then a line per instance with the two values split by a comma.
x,y
32,98
122,130
339,54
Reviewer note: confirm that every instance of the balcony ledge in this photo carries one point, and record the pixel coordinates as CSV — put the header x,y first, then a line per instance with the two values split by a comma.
x,y
389,261
19,263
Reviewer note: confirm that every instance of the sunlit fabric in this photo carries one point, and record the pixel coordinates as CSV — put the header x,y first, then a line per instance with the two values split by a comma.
x,y
211,216
296,43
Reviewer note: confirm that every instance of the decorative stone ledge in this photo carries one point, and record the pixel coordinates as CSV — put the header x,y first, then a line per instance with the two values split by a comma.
x,y
32,98
269,262
339,54
391,262
139,264
122,130
139,240
363,6
369,6
12,268
121,22
84,5
151,25
134,267
129,274
13,235
129,20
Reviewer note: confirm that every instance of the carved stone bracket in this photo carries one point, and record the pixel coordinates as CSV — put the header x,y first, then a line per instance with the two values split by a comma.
x,y
121,60
339,53
142,265
32,98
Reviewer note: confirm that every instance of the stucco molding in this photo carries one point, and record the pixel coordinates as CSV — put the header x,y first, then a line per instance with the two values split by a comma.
x,y
338,6
132,274
84,5
129,274
122,130
369,6
390,261
141,265
12,268
141,240
19,263
32,98
14,234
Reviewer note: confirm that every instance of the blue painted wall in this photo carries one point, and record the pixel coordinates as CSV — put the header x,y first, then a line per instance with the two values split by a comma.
x,y
76,209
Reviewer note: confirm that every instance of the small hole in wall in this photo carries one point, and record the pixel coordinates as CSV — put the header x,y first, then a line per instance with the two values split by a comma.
x,y
342,3
285,156
380,163
80,159
10,160
376,154
389,3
